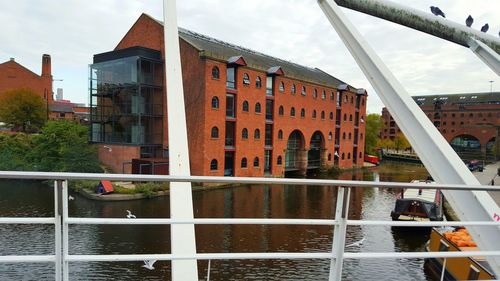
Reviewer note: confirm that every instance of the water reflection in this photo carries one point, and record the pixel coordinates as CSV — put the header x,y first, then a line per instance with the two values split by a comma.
x,y
253,201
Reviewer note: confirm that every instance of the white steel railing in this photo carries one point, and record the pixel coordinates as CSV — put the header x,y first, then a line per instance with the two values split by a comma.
x,y
61,221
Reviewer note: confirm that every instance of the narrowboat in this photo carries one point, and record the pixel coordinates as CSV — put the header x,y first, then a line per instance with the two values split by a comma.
x,y
372,159
418,204
465,268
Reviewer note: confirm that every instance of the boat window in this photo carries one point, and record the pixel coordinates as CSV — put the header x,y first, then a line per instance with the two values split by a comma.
x,y
443,246
473,273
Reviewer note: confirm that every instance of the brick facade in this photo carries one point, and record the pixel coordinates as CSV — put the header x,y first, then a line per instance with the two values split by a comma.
x,y
473,114
15,76
200,87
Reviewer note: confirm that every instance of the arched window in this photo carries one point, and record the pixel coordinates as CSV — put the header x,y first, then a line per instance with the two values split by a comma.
x,y
362,103
322,115
293,89
245,106
256,162
343,136
349,155
279,161
330,136
282,86
258,82
302,113
362,119
244,133
350,135
303,91
257,108
345,117
352,99
343,156
213,165
292,111
280,134
350,117
215,132
215,72
332,96
256,134
244,162
323,95
281,111
331,115
315,93
314,114
345,99
329,157
361,155
246,79
215,103
361,136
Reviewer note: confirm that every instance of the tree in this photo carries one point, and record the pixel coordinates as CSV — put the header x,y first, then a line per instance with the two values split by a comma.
x,y
386,143
372,132
400,142
14,151
23,110
63,146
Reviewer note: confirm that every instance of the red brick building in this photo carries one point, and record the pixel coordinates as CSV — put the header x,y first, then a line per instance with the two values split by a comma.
x,y
248,114
14,76
469,122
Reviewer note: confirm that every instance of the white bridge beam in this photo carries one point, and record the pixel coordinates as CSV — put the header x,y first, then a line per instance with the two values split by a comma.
x,y
182,236
437,155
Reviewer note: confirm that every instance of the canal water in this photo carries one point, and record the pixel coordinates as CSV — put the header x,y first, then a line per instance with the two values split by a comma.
x,y
18,198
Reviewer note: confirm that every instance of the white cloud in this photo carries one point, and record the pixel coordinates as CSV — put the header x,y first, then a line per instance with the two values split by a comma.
x,y
73,31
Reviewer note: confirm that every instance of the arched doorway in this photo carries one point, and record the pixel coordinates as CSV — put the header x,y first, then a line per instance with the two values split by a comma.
x,y
314,157
294,149
492,149
467,147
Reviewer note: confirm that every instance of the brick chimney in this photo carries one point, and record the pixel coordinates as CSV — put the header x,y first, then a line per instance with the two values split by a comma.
x,y
46,66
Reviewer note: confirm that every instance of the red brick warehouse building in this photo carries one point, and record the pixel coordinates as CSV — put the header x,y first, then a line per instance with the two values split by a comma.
x,y
248,114
469,122
15,76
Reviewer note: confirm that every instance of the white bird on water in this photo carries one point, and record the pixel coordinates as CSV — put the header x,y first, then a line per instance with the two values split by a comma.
x,y
149,264
356,244
71,198
130,215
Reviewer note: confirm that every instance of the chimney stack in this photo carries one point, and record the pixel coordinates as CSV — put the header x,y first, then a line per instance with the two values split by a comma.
x,y
46,66
12,59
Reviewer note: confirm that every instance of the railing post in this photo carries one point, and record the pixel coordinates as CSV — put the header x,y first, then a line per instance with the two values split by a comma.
x,y
57,230
65,243
339,233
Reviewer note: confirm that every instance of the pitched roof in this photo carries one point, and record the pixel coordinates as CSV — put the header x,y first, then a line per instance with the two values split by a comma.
x,y
465,98
220,50
22,67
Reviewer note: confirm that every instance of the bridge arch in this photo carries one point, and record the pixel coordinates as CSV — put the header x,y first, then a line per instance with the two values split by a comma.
x,y
316,150
467,146
295,151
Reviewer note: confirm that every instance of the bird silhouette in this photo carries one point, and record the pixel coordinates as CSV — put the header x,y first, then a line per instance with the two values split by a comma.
x,y
356,244
469,21
436,11
149,264
485,28
130,215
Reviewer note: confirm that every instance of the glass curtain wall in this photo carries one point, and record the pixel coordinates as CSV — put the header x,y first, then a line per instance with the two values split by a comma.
x,y
126,100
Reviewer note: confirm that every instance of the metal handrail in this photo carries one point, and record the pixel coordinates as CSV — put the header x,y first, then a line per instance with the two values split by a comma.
x,y
62,221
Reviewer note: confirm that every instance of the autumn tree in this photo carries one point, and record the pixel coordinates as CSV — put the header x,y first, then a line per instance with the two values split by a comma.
x,y
400,142
372,132
23,110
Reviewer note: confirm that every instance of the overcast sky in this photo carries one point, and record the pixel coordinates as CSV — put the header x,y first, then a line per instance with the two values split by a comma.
x,y
71,31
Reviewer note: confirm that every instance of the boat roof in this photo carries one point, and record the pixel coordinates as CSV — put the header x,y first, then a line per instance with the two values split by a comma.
x,y
426,194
